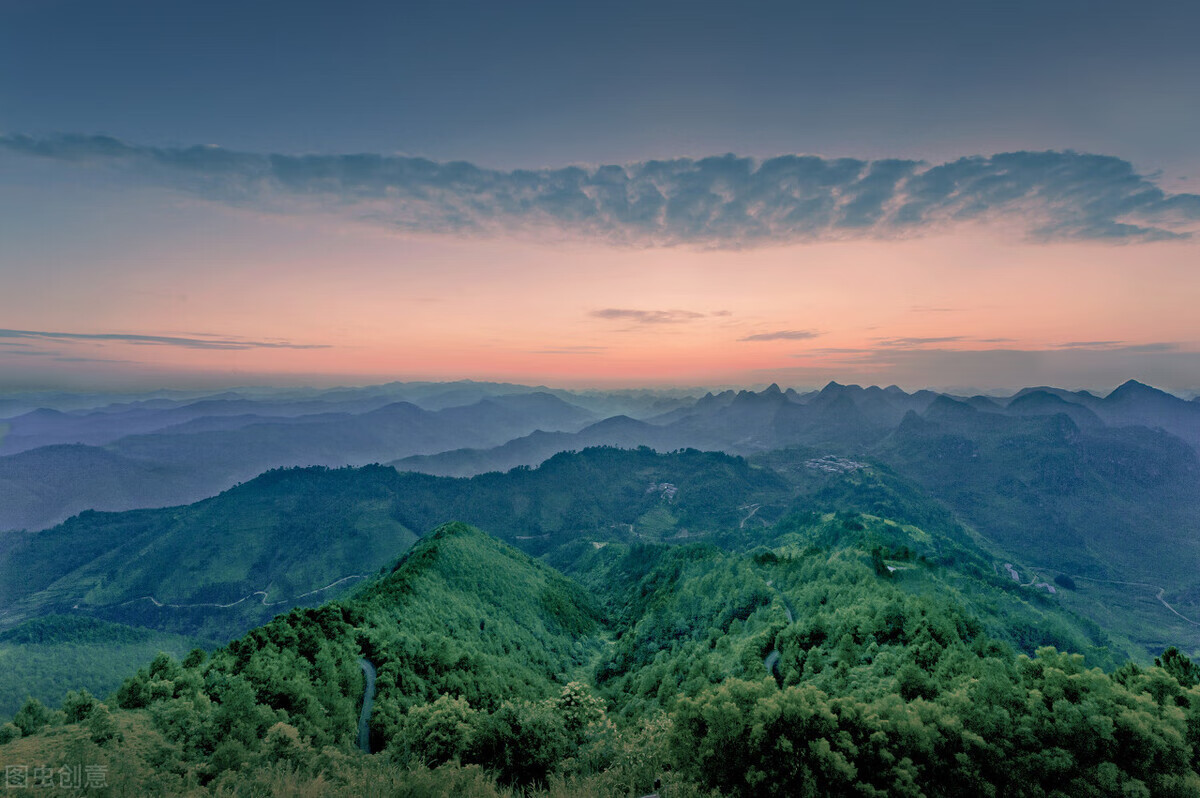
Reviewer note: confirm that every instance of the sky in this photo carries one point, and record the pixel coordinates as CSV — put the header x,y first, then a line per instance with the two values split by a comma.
x,y
931,194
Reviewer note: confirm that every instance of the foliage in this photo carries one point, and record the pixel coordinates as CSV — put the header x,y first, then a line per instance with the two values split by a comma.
x,y
847,654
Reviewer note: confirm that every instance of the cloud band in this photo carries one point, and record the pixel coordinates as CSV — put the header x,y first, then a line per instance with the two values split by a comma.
x,y
725,201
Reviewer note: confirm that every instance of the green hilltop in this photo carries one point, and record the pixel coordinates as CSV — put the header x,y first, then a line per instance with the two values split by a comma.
x,y
848,654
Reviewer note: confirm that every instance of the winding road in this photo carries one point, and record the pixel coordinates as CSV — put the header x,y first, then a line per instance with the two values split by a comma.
x,y
771,661
1160,595
247,597
364,731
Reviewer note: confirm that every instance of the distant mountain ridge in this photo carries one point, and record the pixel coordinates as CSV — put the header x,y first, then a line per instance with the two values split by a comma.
x,y
167,451
838,415
205,454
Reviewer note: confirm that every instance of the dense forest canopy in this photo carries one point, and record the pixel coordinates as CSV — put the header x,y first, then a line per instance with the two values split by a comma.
x,y
835,659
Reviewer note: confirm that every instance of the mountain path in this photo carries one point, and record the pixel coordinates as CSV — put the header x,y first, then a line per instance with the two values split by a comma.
x,y
364,730
247,597
1162,591
771,661
753,508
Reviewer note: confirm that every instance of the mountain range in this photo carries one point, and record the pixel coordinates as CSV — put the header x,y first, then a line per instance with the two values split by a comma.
x,y
1056,483
854,565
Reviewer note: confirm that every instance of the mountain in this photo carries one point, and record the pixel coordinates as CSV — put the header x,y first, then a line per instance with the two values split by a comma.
x,y
1136,403
51,483
1089,498
356,439
45,427
216,567
1114,508
302,536
835,658
206,444
740,422
539,446
52,654
1044,403
209,453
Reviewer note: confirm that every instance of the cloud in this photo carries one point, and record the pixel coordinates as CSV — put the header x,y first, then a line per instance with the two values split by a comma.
x,y
90,360
1120,346
833,351
1089,344
904,343
649,316
54,354
571,350
726,201
782,335
1162,346
198,342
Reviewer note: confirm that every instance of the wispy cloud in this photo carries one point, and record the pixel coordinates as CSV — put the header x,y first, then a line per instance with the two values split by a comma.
x,y
834,350
197,342
650,316
782,335
904,343
571,350
725,201
1089,344
1121,346
56,355
90,360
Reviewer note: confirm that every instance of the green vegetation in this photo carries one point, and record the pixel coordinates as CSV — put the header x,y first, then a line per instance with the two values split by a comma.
x,y
210,571
304,536
46,657
848,654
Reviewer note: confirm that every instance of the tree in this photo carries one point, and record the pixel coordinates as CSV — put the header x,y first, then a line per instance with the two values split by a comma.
x,y
436,733
8,733
524,742
1186,672
76,706
100,725
31,717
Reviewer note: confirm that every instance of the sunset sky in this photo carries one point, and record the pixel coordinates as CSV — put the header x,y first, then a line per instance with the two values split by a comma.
x,y
949,194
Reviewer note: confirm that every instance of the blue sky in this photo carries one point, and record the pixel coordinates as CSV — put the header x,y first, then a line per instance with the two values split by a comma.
x,y
170,169
542,84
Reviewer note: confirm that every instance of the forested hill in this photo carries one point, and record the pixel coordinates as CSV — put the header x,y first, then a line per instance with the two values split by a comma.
x,y
833,660
220,566
207,572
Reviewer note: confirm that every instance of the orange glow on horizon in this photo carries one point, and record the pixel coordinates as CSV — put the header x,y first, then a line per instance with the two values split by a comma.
x,y
386,307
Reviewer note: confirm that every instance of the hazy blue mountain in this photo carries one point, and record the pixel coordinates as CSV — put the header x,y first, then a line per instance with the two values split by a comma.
x,y
1135,403
47,485
1051,477
1117,505
1044,403
539,446
208,453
